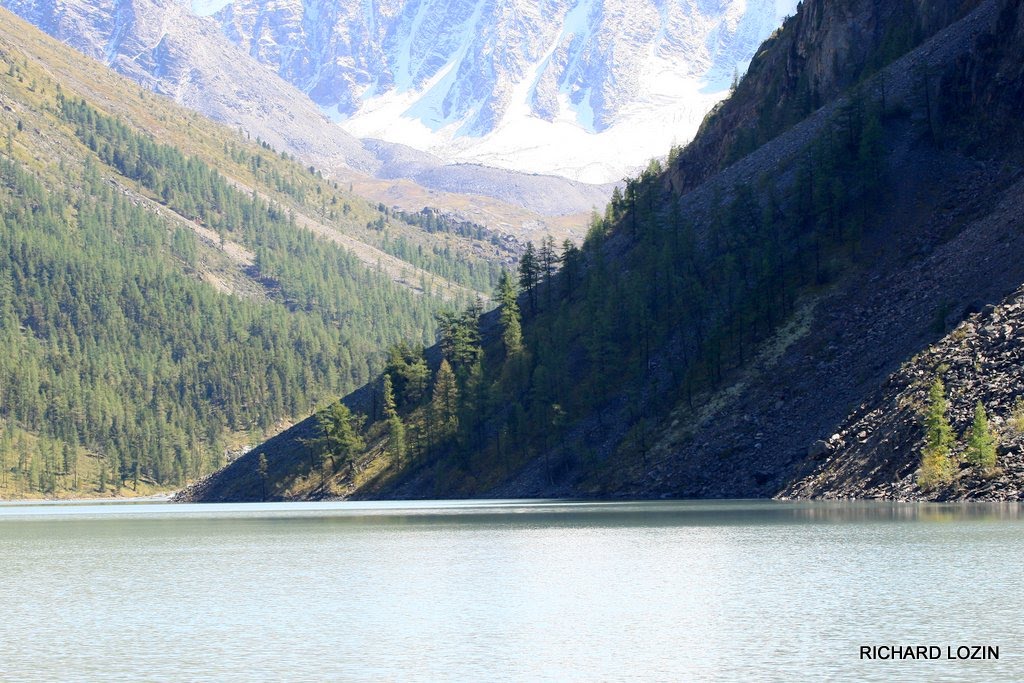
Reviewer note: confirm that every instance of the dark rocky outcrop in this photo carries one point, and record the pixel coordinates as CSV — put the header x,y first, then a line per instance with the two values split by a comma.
x,y
824,49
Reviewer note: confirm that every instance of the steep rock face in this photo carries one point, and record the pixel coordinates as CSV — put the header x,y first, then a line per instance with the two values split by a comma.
x,y
465,69
824,49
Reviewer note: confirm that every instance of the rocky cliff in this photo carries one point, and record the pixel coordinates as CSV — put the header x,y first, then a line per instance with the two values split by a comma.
x,y
820,52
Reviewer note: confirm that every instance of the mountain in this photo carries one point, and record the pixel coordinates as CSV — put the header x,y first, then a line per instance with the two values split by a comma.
x,y
170,290
855,199
588,90
161,45
827,49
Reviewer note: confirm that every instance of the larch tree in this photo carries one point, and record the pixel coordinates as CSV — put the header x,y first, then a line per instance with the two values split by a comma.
x,y
445,401
571,260
936,463
396,429
529,274
981,443
512,330
547,262
262,473
339,439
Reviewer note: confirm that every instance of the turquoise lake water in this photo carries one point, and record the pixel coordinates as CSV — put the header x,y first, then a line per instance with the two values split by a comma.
x,y
507,590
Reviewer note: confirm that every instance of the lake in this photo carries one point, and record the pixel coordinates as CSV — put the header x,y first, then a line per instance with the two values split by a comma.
x,y
507,590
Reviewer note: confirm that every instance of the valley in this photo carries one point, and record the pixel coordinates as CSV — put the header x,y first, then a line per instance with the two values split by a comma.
x,y
574,340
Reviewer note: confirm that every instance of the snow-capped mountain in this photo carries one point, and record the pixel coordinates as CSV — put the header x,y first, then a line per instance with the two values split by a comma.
x,y
588,89
165,46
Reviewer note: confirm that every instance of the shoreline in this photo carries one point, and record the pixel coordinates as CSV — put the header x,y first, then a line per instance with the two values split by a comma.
x,y
151,498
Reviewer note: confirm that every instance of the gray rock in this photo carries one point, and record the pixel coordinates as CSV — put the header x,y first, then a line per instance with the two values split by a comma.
x,y
819,449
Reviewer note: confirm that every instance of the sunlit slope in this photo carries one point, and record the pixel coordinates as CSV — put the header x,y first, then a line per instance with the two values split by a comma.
x,y
171,290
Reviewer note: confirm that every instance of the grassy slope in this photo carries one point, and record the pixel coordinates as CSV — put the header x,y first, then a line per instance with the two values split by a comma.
x,y
49,63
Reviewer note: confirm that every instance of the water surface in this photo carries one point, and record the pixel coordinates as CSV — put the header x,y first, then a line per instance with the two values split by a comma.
x,y
506,590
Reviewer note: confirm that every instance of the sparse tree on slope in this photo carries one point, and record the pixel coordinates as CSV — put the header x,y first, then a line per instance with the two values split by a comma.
x,y
339,439
529,274
936,465
445,401
981,444
396,430
261,472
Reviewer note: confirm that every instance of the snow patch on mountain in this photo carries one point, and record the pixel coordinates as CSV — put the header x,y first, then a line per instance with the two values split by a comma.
x,y
587,89
205,8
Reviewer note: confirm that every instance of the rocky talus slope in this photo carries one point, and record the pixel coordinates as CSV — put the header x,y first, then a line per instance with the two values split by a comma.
x,y
945,235
876,452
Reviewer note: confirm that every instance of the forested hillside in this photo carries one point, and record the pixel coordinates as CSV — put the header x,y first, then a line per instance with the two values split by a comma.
x,y
710,330
170,290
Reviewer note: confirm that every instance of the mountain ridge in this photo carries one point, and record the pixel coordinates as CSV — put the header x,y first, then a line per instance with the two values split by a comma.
x,y
172,291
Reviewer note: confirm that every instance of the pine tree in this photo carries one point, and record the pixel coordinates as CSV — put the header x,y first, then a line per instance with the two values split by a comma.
x,y
547,260
936,464
871,152
512,331
388,392
396,439
396,430
3,462
262,473
445,400
981,443
339,440
570,260
529,274
418,378
467,347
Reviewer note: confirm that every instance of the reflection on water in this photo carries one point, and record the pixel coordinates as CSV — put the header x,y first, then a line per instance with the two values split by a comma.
x,y
506,590
642,513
